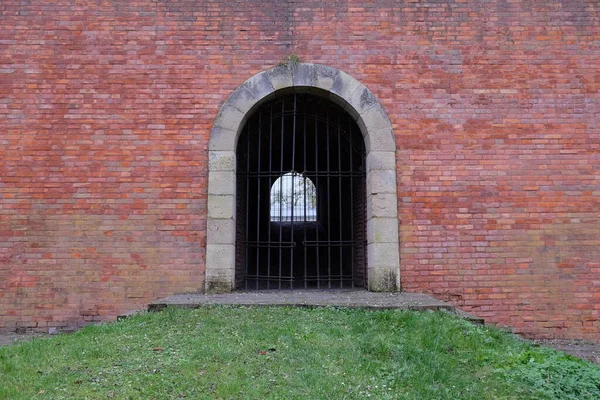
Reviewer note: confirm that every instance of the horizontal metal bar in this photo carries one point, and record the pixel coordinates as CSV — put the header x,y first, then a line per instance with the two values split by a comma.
x,y
277,174
271,278
270,244
308,116
333,242
308,278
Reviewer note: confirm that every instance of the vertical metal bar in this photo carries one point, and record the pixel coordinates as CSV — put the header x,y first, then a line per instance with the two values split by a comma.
x,y
363,214
304,183
319,214
339,149
258,204
328,207
281,187
270,188
352,205
246,238
293,198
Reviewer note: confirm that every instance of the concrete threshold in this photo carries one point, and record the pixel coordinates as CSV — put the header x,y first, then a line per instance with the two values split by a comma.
x,y
313,298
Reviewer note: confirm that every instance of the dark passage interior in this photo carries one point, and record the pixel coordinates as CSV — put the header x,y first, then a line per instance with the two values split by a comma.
x,y
300,197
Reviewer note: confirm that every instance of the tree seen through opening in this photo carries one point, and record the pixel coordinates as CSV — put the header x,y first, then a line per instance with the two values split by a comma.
x,y
293,198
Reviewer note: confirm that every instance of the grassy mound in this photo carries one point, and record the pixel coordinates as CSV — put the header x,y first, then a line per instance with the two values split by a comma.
x,y
291,353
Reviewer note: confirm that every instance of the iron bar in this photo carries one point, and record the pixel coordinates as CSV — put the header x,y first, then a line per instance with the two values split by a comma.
x,y
269,244
319,118
322,174
302,242
258,181
247,197
352,262
363,214
269,278
270,169
293,199
328,206
332,242
340,221
281,185
319,214
304,200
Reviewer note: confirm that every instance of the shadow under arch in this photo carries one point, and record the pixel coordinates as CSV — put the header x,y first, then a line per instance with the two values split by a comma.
x,y
383,259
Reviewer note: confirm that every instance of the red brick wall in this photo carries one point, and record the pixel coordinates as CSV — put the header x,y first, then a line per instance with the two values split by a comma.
x,y
106,108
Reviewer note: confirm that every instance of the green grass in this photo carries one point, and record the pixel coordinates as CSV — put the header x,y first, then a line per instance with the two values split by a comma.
x,y
290,353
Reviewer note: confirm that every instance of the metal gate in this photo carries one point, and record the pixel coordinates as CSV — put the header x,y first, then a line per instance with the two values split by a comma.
x,y
300,197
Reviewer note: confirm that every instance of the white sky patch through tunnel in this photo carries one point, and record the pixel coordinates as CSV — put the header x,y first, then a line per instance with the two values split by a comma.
x,y
293,198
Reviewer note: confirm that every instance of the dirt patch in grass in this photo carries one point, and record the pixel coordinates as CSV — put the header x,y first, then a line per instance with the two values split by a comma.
x,y
578,348
10,338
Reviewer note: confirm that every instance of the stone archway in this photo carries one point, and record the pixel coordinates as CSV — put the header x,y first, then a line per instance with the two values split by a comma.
x,y
383,261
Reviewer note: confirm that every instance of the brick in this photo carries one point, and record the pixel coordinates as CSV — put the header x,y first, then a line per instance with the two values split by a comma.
x,y
104,159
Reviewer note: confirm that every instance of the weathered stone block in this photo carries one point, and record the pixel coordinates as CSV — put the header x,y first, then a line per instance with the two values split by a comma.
x,y
381,160
218,281
259,86
362,100
373,120
384,278
381,181
382,230
229,118
220,258
221,206
382,205
304,74
221,160
242,99
387,254
222,139
325,76
380,140
343,88
221,231
221,182
280,77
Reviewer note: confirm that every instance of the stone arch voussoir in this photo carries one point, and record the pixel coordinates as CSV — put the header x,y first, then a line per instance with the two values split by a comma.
x,y
383,260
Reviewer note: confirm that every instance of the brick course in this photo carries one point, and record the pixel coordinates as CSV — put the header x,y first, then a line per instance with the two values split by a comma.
x,y
106,109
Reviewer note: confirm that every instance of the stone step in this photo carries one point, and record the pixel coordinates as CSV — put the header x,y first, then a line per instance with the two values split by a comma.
x,y
314,298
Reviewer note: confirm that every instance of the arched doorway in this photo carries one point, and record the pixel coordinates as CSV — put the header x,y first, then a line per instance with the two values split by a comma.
x,y
301,197
382,249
